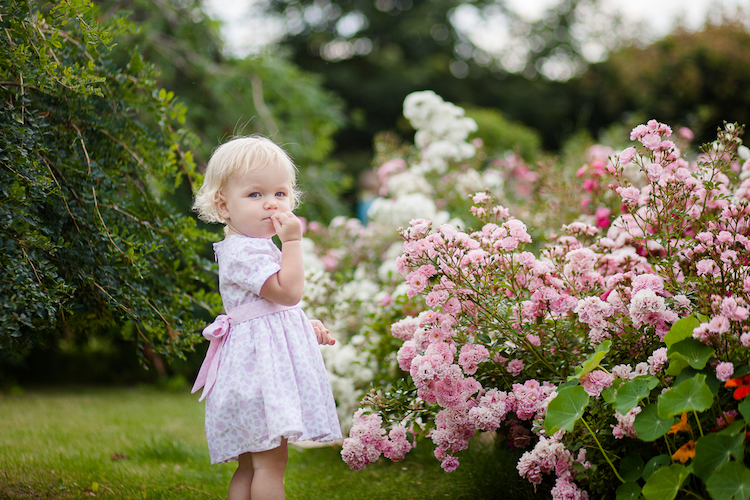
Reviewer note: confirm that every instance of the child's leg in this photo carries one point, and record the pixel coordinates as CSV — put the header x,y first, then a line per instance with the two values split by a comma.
x,y
239,486
268,473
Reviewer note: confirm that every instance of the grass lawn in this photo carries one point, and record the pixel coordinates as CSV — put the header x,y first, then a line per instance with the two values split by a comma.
x,y
141,443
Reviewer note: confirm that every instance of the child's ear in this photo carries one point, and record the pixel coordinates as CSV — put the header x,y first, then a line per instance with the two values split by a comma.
x,y
221,206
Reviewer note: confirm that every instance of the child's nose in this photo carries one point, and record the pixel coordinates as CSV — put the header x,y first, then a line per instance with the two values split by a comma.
x,y
272,204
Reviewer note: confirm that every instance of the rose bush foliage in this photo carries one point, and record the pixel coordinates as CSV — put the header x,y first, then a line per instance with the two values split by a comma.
x,y
614,352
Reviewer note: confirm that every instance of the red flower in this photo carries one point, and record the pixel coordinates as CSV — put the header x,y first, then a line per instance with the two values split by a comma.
x,y
742,385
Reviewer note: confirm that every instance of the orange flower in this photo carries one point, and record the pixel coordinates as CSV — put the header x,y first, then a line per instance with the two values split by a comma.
x,y
685,453
742,385
681,426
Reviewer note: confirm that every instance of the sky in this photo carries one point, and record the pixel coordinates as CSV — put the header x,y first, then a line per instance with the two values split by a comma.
x,y
245,32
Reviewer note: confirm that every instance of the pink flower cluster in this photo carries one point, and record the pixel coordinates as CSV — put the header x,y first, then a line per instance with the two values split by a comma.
x,y
730,315
594,382
368,440
550,455
624,427
680,246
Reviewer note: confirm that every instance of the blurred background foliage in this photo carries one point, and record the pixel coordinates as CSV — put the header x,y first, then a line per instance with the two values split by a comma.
x,y
227,96
338,74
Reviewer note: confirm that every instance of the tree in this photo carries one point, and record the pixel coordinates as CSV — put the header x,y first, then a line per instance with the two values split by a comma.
x,y
695,79
375,53
88,148
264,94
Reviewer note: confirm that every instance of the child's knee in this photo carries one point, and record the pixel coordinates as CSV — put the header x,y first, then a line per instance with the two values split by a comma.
x,y
275,459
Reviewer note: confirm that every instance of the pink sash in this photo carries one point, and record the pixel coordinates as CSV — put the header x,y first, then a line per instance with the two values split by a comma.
x,y
217,332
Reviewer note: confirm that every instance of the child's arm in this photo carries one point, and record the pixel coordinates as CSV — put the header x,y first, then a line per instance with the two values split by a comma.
x,y
286,286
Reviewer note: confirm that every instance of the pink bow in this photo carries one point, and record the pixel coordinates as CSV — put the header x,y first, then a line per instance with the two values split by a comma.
x,y
216,333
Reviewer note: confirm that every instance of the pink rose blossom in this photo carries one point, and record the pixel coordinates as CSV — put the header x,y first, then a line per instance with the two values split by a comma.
x,y
630,195
406,354
657,360
627,155
724,371
471,355
449,463
704,266
416,282
515,367
566,489
718,324
624,427
594,382
480,197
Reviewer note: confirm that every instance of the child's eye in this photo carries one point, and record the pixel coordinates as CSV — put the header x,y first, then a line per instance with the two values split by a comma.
x,y
254,195
281,194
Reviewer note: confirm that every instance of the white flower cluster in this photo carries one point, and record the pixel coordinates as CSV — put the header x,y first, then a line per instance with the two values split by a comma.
x,y
442,130
388,214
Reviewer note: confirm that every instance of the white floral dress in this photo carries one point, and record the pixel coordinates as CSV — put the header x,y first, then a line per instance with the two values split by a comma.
x,y
271,382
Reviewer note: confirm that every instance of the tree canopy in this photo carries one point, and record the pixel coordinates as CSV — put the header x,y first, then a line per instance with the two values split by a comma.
x,y
225,96
696,79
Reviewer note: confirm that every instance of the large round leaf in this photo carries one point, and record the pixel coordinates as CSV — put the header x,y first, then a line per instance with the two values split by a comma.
x,y
712,382
731,481
691,395
649,426
665,482
628,491
655,464
713,450
632,392
631,467
681,330
744,408
565,409
695,352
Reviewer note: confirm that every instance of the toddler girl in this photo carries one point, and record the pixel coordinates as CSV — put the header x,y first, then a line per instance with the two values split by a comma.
x,y
263,376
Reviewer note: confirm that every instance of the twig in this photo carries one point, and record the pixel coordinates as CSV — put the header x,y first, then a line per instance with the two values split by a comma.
x,y
61,195
135,156
111,298
106,229
83,144
32,266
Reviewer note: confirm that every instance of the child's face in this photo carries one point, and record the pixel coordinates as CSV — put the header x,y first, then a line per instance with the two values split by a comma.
x,y
248,201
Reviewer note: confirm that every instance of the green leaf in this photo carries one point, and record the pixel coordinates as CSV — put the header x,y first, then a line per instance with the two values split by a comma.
x,y
631,468
665,482
731,481
628,491
593,361
695,352
632,392
711,380
677,363
713,450
691,395
654,464
744,408
681,330
649,426
565,410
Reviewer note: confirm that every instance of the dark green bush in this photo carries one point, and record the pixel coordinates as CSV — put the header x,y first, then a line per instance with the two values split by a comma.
x,y
87,147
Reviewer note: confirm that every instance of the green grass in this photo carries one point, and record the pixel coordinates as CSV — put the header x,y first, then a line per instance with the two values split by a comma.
x,y
140,443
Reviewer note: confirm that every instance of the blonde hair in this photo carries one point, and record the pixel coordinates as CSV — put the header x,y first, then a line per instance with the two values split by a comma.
x,y
236,157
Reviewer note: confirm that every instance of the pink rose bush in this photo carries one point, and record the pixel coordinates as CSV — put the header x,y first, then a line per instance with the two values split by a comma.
x,y
605,346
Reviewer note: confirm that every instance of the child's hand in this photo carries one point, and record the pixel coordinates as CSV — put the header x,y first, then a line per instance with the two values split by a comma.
x,y
321,332
288,226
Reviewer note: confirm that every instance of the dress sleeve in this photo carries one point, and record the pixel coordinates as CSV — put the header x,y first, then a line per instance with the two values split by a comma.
x,y
254,261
